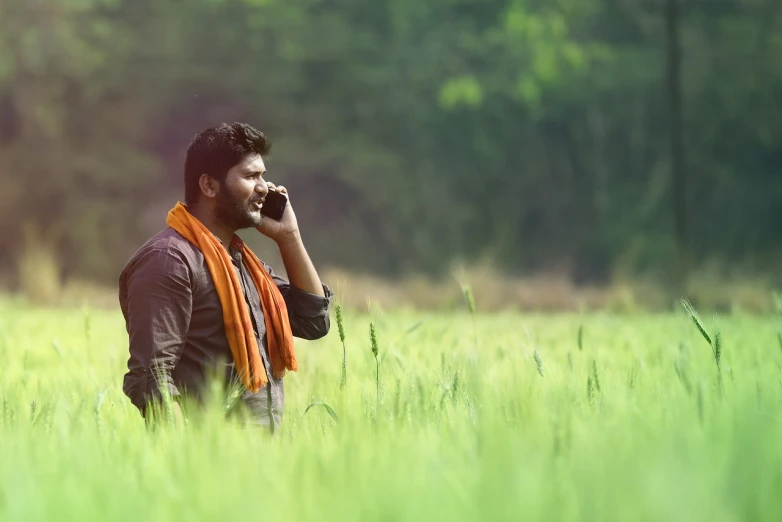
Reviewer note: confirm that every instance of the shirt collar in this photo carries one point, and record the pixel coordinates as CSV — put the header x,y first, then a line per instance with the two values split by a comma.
x,y
236,243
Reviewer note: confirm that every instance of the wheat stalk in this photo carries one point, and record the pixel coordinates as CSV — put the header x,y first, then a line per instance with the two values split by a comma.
x,y
539,363
716,344
470,300
344,379
375,352
696,320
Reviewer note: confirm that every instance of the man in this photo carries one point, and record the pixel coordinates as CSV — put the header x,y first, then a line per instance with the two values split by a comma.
x,y
196,300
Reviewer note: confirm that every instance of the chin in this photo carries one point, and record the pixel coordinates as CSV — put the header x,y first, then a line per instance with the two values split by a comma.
x,y
256,220
249,221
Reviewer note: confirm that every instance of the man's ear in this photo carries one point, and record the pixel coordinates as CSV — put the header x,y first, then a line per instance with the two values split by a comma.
x,y
209,186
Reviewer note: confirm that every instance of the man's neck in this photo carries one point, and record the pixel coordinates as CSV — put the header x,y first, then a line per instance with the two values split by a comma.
x,y
216,227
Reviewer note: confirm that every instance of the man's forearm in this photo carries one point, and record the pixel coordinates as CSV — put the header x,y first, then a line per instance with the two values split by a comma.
x,y
298,265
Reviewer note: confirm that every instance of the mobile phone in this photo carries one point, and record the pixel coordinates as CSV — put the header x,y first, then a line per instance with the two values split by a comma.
x,y
274,205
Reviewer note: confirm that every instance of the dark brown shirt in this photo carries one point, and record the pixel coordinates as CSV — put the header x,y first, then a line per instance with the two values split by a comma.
x,y
175,326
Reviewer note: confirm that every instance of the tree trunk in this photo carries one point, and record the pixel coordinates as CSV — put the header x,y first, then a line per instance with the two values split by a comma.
x,y
678,174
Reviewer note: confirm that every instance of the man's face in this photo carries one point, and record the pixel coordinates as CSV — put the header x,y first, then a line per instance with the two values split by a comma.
x,y
238,204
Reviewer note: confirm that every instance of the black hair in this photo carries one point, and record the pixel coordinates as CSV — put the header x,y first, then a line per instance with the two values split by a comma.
x,y
215,150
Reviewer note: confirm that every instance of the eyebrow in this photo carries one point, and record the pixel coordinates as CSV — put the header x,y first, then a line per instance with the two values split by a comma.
x,y
252,171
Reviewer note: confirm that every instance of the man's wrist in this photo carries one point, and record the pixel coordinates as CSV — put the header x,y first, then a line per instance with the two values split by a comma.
x,y
291,238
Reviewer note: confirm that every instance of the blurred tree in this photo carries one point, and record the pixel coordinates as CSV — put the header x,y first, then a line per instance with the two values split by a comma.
x,y
69,152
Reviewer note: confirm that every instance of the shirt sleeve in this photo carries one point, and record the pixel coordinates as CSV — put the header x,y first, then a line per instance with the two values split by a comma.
x,y
308,313
158,308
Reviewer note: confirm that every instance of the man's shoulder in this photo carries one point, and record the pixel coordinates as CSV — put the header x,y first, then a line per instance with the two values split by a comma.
x,y
168,243
168,238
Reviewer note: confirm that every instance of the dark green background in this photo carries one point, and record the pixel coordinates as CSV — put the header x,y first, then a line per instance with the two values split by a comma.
x,y
533,134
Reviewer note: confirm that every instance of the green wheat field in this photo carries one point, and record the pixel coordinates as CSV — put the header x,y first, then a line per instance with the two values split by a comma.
x,y
462,417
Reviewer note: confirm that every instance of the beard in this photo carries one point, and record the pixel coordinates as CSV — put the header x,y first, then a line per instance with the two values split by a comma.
x,y
235,212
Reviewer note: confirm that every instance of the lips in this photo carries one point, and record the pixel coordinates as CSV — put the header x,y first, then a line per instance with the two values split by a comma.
x,y
258,204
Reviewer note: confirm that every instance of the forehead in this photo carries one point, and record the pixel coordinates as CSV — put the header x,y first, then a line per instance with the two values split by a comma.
x,y
250,163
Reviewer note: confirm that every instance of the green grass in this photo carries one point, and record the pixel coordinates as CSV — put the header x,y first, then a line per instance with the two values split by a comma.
x,y
567,417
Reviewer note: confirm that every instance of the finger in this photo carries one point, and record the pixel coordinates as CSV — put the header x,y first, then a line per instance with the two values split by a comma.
x,y
282,189
271,186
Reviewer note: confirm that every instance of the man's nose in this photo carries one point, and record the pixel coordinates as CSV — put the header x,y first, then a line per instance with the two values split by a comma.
x,y
262,188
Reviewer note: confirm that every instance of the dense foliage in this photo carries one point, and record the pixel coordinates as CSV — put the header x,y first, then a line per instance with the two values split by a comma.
x,y
412,134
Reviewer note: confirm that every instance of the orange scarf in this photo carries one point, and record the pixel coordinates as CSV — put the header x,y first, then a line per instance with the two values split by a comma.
x,y
236,316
